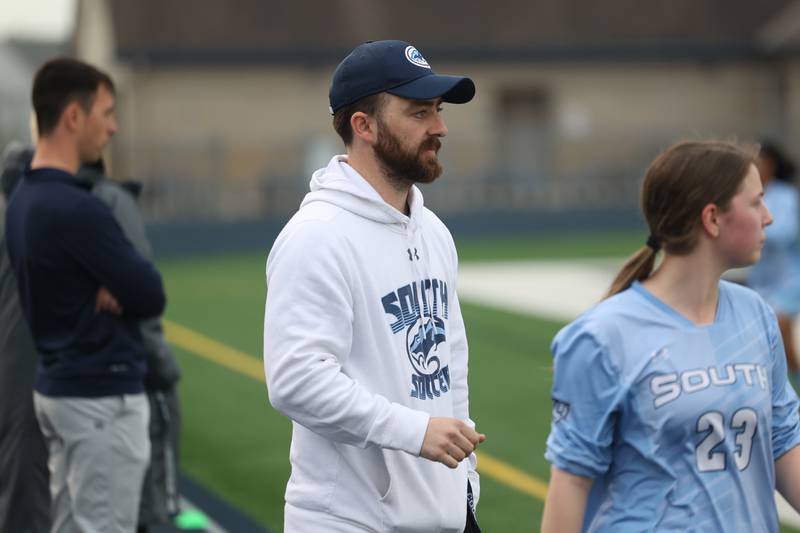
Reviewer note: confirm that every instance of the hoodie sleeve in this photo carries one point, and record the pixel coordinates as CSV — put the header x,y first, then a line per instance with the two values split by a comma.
x,y
308,329
460,388
460,356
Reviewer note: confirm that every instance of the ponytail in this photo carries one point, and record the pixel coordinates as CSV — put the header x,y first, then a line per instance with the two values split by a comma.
x,y
637,268
678,184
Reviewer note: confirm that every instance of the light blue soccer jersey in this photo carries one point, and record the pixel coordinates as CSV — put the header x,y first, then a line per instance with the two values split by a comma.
x,y
678,424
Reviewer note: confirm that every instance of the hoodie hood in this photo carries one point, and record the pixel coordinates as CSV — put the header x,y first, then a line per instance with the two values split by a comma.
x,y
339,184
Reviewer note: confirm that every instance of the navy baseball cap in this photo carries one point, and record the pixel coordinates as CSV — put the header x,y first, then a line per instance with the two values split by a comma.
x,y
397,68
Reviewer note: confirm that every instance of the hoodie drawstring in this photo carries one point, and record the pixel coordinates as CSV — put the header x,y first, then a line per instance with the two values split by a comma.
x,y
417,238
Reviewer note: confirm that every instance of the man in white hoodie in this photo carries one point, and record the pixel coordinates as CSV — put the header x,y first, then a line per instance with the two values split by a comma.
x,y
364,344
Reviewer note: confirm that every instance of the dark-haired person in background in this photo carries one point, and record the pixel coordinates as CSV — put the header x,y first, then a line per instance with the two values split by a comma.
x,y
84,289
24,494
776,277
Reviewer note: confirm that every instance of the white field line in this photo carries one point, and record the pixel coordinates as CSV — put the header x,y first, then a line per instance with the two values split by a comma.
x,y
557,290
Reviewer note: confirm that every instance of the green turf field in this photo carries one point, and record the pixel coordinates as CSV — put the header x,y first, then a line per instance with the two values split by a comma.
x,y
237,445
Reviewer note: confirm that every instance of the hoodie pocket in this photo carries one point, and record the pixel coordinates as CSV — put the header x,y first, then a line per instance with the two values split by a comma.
x,y
423,496
385,496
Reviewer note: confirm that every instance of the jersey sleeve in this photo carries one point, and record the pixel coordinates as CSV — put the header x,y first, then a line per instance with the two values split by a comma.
x,y
785,418
587,393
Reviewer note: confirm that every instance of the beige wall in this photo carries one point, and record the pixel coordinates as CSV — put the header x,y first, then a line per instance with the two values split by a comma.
x,y
250,126
791,72
601,112
610,104
242,140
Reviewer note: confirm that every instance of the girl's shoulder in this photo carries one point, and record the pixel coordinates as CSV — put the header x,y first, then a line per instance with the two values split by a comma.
x,y
623,314
742,298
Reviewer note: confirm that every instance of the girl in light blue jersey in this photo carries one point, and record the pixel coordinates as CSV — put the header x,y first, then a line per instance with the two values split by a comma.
x,y
671,406
776,276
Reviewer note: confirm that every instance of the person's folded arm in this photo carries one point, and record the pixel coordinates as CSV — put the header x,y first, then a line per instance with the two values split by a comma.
x,y
97,242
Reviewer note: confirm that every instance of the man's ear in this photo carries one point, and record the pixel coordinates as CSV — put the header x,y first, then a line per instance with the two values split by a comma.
x,y
709,217
364,127
73,116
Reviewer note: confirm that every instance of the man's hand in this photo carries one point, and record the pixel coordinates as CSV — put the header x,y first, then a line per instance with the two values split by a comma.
x,y
105,301
449,441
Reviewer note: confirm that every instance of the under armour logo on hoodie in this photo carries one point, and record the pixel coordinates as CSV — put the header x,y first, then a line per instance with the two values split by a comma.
x,y
415,255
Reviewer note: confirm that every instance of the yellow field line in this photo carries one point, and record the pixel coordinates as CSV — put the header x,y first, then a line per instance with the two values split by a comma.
x,y
215,351
511,476
252,367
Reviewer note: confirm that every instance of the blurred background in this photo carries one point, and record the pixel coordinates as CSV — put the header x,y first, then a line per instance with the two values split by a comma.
x,y
223,105
223,114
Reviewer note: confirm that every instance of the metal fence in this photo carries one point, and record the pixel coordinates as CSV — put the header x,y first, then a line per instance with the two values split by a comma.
x,y
209,180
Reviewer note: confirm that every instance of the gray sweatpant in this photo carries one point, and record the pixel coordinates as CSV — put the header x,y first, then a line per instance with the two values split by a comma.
x,y
99,449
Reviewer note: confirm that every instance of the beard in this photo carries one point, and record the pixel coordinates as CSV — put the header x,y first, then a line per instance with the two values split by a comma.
x,y
405,167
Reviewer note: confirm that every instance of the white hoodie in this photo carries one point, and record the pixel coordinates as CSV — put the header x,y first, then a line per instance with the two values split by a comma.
x,y
363,343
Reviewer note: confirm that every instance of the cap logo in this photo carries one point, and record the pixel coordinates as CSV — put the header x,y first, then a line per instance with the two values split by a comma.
x,y
413,55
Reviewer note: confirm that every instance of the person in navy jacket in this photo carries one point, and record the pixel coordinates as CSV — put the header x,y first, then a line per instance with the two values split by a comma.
x,y
83,288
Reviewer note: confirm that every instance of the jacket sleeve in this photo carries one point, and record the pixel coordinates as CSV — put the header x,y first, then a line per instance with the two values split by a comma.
x,y
308,330
163,370
96,241
126,212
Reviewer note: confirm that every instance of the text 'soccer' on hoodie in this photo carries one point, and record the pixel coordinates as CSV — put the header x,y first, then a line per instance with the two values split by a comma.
x,y
363,343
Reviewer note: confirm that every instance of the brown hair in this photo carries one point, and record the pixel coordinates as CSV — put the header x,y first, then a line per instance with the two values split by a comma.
x,y
679,183
61,81
371,105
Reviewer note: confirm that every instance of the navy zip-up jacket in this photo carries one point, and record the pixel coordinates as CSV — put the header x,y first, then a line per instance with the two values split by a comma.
x,y
64,245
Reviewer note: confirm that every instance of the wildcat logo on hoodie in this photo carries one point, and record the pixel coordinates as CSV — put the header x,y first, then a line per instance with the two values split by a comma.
x,y
420,308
